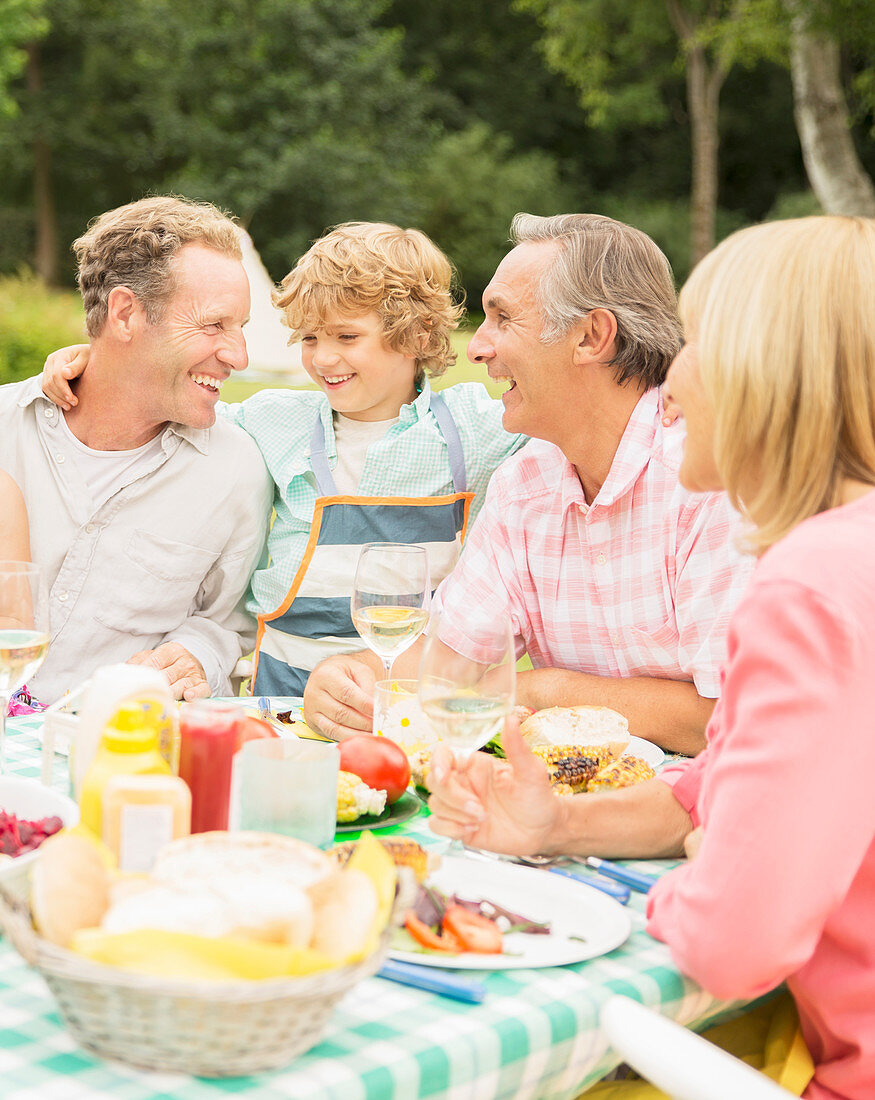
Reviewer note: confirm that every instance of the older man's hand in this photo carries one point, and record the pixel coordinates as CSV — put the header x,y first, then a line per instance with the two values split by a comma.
x,y
501,805
339,697
184,672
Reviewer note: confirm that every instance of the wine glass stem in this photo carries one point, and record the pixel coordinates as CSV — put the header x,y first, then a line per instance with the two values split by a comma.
x,y
4,704
387,667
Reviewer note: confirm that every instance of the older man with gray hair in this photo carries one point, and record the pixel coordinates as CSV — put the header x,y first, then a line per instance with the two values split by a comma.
x,y
619,583
147,515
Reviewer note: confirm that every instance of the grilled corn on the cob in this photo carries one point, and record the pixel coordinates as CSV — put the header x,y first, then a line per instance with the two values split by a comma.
x,y
624,772
571,767
404,853
355,798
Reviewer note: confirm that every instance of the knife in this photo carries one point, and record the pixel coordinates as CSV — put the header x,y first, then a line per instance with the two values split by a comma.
x,y
615,890
434,981
638,881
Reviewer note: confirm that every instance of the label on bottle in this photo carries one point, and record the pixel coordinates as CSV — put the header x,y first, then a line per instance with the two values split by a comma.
x,y
144,829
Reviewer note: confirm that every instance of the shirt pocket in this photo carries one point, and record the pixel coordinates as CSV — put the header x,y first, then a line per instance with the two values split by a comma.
x,y
654,652
153,586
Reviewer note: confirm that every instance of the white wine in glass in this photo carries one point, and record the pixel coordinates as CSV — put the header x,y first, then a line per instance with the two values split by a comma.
x,y
390,598
24,632
467,688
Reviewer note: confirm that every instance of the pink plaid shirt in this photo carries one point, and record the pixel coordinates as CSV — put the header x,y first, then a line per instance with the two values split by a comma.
x,y
641,582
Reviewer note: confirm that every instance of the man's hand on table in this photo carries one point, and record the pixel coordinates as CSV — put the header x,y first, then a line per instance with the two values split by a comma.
x,y
501,805
339,696
184,672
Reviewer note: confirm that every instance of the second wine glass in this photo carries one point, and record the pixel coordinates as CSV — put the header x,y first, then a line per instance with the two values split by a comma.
x,y
390,598
467,680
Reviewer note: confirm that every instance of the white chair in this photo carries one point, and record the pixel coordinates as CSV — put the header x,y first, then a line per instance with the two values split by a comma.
x,y
678,1061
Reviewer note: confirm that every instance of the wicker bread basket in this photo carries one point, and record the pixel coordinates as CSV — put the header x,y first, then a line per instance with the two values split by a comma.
x,y
209,1029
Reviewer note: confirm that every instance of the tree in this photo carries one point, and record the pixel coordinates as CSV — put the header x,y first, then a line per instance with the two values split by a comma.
x,y
823,120
624,59
293,113
21,22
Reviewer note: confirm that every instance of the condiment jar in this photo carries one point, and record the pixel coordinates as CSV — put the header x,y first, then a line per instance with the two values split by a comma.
x,y
129,746
111,687
142,813
209,737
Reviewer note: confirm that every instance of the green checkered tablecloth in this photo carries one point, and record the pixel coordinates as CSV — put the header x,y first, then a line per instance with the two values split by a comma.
x,y
535,1036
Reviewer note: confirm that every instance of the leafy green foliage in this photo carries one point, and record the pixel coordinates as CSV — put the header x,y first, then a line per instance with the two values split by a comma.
x,y
21,22
34,321
471,187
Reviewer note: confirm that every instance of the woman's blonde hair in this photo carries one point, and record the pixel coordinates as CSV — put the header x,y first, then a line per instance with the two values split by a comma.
x,y
783,318
373,267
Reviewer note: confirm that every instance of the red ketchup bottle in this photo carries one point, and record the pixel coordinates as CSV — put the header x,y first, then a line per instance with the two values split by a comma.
x,y
208,738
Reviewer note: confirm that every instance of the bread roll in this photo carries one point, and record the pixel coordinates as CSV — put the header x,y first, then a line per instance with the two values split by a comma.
x,y
346,907
237,905
580,725
209,857
69,887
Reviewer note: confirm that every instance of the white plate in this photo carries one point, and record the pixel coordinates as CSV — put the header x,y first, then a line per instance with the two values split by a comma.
x,y
572,908
30,801
645,750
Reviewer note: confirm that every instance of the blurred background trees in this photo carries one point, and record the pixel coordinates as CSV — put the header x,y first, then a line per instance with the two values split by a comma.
x,y
675,115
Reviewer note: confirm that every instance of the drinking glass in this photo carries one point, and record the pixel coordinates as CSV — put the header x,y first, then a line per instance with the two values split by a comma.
x,y
390,598
467,680
24,632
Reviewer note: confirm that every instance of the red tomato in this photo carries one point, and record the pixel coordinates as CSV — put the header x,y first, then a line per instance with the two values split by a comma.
x,y
251,729
427,938
474,933
381,763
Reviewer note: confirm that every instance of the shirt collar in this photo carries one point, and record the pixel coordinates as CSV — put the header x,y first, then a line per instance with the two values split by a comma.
x,y
418,408
635,450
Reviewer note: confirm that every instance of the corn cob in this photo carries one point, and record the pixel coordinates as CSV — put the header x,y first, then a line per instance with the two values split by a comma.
x,y
571,767
420,764
355,798
404,853
624,772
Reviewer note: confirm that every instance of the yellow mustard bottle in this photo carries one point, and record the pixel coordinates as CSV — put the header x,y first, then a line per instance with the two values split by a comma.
x,y
129,746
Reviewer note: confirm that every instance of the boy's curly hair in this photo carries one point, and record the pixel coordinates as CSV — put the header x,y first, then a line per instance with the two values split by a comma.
x,y
375,267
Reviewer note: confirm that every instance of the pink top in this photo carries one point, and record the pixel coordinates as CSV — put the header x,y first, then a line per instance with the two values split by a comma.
x,y
783,887
640,583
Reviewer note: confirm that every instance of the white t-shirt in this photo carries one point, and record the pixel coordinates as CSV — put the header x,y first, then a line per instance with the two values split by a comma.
x,y
353,437
105,472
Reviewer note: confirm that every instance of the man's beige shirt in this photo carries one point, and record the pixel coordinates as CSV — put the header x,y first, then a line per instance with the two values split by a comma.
x,y
166,558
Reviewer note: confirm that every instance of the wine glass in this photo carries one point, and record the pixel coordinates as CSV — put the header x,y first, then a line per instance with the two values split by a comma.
x,y
24,632
467,680
390,598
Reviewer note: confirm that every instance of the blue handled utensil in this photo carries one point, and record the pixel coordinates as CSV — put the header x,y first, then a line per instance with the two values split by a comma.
x,y
638,881
434,981
615,890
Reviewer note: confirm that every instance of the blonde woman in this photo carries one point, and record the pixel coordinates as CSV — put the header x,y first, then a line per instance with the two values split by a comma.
x,y
777,384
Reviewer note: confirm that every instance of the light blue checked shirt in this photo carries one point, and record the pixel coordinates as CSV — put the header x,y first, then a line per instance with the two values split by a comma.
x,y
410,460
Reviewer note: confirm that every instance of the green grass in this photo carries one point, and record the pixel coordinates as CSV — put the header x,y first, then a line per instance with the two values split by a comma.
x,y
238,389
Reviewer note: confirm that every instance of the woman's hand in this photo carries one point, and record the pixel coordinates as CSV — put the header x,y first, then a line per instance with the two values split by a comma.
x,y
59,368
501,805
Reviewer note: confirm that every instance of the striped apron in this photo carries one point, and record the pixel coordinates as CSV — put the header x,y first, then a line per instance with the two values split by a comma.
x,y
314,621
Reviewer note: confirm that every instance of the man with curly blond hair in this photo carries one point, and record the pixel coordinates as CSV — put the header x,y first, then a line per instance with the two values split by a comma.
x,y
147,515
